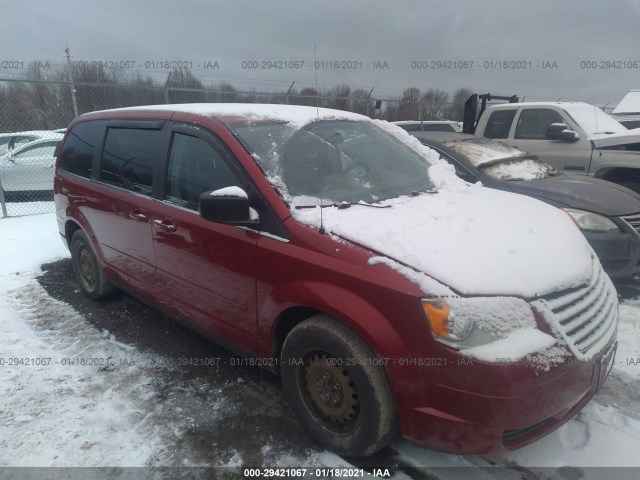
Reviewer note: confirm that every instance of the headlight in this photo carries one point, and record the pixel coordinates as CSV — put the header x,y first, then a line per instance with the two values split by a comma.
x,y
471,322
592,221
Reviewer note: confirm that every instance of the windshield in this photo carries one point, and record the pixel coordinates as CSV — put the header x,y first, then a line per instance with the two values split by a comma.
x,y
519,169
336,160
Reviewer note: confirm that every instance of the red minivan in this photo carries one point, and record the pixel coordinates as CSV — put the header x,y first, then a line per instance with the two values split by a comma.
x,y
391,296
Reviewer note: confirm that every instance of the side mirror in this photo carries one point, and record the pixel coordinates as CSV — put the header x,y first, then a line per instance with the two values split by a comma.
x,y
229,205
561,131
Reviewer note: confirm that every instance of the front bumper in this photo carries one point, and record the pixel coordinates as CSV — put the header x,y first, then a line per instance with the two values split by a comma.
x,y
461,420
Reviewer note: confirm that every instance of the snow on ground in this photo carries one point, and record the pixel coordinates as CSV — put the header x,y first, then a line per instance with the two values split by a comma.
x,y
54,414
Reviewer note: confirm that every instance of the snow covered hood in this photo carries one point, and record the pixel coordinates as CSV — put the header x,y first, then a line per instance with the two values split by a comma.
x,y
602,129
624,138
475,240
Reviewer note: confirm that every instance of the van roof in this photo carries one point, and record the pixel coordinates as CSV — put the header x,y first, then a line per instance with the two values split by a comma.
x,y
243,112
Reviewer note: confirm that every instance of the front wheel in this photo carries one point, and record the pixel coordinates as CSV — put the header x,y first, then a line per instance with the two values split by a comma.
x,y
338,388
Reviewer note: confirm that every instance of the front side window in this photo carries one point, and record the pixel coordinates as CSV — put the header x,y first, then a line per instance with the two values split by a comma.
x,y
195,167
499,124
534,122
129,158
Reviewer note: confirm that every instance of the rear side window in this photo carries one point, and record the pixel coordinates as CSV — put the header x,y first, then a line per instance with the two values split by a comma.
x,y
499,124
79,148
129,158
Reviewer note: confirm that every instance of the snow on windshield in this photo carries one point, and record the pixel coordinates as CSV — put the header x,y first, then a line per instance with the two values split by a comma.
x,y
338,160
501,161
480,151
520,169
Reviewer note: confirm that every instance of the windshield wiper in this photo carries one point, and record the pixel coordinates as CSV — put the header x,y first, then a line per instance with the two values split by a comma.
x,y
415,193
343,205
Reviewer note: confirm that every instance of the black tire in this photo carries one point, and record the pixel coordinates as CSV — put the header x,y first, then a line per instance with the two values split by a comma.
x,y
86,268
338,388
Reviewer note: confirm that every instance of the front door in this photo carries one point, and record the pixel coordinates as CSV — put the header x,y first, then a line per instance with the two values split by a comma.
x,y
206,269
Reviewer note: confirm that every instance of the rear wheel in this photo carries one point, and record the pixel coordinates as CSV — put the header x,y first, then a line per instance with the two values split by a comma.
x,y
87,269
338,388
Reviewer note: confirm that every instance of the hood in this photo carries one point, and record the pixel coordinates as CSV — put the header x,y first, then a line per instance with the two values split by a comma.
x,y
475,240
615,139
585,193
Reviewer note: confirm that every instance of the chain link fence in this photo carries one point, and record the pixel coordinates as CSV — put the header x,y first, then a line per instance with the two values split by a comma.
x,y
35,113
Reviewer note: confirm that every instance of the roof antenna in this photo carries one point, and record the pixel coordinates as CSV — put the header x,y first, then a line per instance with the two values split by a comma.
x,y
322,231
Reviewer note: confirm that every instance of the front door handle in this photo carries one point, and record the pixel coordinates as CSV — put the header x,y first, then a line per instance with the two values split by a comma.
x,y
165,225
138,216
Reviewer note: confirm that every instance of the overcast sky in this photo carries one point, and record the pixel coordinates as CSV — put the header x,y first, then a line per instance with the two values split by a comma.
x,y
401,37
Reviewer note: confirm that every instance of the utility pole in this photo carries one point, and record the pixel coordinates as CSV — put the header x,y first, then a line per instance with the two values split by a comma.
x,y
286,95
73,89
166,89
366,100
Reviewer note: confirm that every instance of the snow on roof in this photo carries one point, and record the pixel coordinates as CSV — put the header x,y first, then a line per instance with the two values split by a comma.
x,y
629,104
294,114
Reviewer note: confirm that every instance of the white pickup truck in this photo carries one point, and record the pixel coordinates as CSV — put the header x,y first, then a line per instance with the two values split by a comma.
x,y
572,136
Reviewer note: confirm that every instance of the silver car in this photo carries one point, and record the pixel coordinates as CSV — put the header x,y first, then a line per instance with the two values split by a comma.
x,y
30,166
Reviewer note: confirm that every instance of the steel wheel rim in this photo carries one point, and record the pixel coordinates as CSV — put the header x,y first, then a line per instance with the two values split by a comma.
x,y
86,268
329,391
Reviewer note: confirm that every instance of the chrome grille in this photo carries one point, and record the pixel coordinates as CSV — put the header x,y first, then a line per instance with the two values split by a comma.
x,y
633,220
587,316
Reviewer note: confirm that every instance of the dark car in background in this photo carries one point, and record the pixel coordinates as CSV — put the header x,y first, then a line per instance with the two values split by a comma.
x,y
606,213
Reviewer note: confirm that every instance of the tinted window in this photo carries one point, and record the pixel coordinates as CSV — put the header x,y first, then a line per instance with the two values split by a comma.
x,y
499,124
79,147
194,168
129,157
534,122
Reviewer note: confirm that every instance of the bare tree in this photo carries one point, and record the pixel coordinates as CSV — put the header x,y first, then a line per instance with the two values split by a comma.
x,y
455,109
433,104
358,102
340,94
409,104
